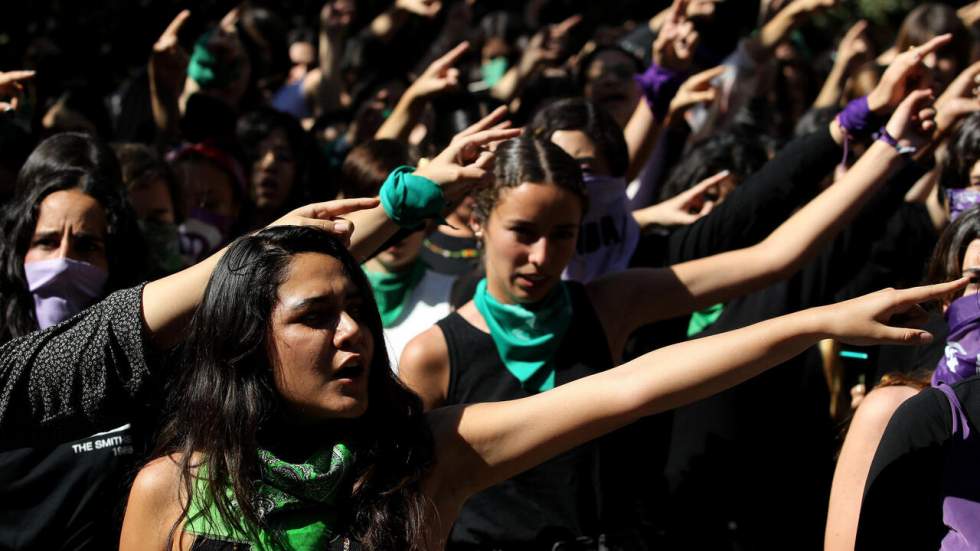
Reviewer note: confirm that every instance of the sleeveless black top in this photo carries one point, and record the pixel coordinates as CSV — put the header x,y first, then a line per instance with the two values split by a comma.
x,y
561,499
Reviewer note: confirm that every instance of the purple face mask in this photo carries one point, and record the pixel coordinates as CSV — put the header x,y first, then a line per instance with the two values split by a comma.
x,y
63,287
960,359
961,200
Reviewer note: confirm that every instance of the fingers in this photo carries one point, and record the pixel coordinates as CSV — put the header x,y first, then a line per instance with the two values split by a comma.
x,y
15,76
488,136
704,78
562,28
450,58
330,209
914,102
903,335
855,31
926,293
230,19
173,29
932,45
486,122
704,185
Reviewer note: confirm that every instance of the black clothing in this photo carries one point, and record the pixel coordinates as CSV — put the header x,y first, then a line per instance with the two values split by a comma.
x,y
918,462
442,252
559,500
70,433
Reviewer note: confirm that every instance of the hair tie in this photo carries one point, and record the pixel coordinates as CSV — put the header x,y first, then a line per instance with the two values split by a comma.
x,y
410,200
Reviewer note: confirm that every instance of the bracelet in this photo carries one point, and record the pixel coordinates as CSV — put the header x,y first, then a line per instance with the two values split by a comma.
x,y
410,200
904,150
659,86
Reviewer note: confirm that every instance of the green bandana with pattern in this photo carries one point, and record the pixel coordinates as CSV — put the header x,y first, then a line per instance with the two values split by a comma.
x,y
295,501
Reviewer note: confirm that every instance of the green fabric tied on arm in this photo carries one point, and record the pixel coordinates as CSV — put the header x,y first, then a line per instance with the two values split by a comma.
x,y
391,290
411,200
297,503
702,319
527,336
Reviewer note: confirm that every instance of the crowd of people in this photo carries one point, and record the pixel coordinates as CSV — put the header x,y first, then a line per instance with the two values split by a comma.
x,y
491,275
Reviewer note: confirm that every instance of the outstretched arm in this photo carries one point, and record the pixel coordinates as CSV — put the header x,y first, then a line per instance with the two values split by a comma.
x,y
479,445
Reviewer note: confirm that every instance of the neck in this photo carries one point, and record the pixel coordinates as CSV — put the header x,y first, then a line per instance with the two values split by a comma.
x,y
375,265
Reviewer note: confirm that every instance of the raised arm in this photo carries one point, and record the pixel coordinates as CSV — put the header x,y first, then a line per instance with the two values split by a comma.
x,y
478,445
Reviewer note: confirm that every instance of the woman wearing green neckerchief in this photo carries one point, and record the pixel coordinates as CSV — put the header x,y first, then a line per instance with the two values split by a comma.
x,y
526,331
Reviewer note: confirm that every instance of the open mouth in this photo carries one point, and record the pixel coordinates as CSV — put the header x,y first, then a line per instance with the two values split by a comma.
x,y
350,371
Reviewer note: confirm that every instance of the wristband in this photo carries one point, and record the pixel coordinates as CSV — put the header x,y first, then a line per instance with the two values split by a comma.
x,y
411,200
904,150
659,86
856,121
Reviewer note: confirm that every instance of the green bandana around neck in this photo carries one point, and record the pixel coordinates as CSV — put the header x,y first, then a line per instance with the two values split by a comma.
x,y
703,319
391,290
527,336
296,502
494,70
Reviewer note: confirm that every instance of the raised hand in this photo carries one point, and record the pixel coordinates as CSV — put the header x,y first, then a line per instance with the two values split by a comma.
x,y
674,46
425,8
684,208
912,123
11,89
960,98
854,47
168,61
468,160
440,75
697,89
902,75
327,216
888,316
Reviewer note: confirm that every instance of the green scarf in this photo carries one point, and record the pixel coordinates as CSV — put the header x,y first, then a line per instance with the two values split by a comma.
x,y
527,336
702,319
391,290
296,503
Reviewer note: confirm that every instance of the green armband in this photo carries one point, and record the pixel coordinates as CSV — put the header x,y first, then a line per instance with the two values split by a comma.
x,y
411,200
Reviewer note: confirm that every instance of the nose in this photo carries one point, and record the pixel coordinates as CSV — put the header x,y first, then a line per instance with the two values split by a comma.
x,y
267,160
65,249
349,333
538,253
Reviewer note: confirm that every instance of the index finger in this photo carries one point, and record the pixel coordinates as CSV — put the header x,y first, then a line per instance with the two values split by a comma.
x,y
15,76
567,24
926,293
706,76
174,27
337,207
486,122
677,9
486,137
705,184
933,44
450,58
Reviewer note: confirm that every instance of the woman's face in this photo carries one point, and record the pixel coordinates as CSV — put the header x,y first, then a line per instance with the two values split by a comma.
x,y
529,238
319,347
207,187
580,146
151,200
609,83
273,171
70,224
401,255
971,260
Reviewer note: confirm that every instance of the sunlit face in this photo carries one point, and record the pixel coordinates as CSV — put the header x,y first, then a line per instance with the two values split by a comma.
x,y
318,344
401,255
152,201
70,224
206,186
529,238
971,260
273,171
609,83
580,146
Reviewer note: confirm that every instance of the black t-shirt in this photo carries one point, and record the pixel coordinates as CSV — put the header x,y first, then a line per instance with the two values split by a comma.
x,y
71,431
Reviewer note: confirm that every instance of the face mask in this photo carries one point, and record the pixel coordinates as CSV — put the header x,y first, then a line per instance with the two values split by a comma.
x,y
961,200
494,70
63,287
201,234
960,358
163,241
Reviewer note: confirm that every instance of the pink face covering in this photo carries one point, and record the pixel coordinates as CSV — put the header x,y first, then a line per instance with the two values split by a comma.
x,y
63,287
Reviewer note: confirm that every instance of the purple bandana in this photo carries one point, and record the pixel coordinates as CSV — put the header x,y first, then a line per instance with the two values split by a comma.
x,y
960,359
659,87
961,200
63,287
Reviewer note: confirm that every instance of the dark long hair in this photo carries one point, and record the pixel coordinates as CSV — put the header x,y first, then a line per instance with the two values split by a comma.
x,y
530,159
62,162
962,154
587,117
224,396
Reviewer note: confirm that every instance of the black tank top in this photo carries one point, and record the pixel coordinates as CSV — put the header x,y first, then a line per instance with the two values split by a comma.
x,y
559,500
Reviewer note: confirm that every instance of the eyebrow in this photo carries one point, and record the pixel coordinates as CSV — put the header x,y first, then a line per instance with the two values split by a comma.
x,y
318,300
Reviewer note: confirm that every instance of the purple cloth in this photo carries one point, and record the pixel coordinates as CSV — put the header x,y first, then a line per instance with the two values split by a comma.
x,y
659,86
290,99
63,287
857,119
961,200
608,235
962,355
961,514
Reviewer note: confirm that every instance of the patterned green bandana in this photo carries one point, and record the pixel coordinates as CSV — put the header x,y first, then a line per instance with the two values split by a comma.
x,y
527,336
391,290
295,501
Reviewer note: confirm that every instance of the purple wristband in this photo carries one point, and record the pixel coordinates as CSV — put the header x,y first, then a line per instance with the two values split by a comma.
x,y
884,136
857,120
659,86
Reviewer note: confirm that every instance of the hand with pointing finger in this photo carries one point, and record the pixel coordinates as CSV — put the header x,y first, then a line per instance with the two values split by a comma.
x,y
11,89
168,61
902,75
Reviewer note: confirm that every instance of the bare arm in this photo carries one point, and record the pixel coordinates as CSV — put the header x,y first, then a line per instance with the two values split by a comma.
x,y
478,445
854,462
167,73
852,50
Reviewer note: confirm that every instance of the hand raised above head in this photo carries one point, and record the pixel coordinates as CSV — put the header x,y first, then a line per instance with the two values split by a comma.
x,y
328,216
901,76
